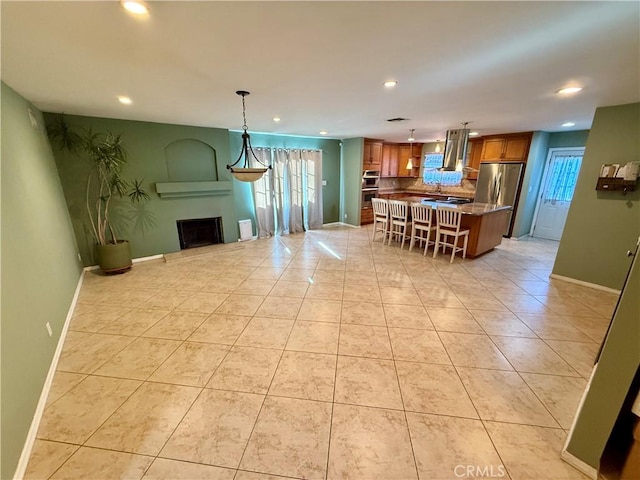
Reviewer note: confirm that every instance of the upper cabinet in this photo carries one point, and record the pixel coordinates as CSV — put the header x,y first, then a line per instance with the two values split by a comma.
x,y
372,155
513,147
389,160
475,156
406,151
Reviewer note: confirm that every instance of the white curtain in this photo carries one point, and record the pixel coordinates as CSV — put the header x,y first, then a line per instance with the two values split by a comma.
x,y
563,178
288,198
263,195
312,161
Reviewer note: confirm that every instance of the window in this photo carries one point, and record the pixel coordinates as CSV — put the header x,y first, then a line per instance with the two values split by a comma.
x,y
432,175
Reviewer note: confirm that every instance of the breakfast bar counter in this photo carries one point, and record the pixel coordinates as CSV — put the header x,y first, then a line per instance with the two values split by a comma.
x,y
486,222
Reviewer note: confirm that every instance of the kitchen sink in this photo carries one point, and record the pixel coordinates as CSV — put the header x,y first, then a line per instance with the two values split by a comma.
x,y
454,200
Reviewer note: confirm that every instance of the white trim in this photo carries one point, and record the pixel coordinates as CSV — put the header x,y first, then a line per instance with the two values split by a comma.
x,y
585,284
342,224
146,259
134,260
517,239
544,180
37,416
578,464
568,457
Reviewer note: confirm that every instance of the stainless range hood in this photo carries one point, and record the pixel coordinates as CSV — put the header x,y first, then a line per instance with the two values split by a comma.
x,y
455,149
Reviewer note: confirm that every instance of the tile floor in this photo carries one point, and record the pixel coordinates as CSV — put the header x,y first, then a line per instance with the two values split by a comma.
x,y
322,355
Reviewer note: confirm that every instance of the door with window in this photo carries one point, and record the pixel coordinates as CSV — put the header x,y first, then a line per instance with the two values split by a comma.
x,y
560,177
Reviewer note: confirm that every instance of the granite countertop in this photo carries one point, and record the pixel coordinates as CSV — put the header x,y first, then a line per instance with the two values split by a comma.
x,y
465,208
391,191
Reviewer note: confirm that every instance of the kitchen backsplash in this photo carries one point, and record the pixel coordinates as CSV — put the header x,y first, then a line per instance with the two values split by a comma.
x,y
467,187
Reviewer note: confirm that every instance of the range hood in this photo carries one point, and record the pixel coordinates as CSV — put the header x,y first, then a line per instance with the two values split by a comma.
x,y
455,149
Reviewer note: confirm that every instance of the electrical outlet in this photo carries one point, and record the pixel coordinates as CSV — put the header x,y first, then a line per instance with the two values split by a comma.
x,y
345,216
49,329
324,183
79,257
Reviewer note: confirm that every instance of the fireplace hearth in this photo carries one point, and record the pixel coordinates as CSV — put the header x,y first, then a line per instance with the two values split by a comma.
x,y
200,232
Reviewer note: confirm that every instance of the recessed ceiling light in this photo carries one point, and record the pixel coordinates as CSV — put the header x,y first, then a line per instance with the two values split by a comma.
x,y
390,83
569,90
276,119
473,134
323,132
135,7
124,100
568,124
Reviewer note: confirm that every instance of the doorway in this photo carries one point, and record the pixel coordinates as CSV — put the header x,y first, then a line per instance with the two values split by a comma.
x,y
559,182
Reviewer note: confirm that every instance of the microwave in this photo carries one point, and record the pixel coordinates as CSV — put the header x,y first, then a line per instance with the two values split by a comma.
x,y
370,178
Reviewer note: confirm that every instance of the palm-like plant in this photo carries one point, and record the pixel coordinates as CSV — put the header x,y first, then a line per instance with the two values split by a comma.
x,y
108,156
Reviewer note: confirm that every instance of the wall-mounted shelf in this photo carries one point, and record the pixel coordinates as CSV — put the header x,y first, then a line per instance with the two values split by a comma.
x,y
192,189
616,184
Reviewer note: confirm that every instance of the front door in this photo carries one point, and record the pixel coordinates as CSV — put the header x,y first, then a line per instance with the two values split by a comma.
x,y
561,174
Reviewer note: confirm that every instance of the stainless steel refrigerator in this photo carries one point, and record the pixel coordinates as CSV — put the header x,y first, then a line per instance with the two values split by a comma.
x,y
499,183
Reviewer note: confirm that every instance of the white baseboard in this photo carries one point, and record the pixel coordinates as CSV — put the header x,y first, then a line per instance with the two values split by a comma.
x,y
340,224
569,457
134,260
585,284
37,416
146,259
578,464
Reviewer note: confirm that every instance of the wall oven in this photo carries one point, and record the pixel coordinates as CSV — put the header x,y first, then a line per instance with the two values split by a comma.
x,y
367,195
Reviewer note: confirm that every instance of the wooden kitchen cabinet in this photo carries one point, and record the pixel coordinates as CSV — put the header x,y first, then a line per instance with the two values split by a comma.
x,y
474,156
389,160
505,148
406,151
366,216
372,155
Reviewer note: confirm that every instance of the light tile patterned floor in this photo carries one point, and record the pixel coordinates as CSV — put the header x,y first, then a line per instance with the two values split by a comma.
x,y
323,355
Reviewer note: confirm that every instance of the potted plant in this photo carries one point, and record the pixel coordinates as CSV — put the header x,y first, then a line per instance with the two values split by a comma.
x,y
107,157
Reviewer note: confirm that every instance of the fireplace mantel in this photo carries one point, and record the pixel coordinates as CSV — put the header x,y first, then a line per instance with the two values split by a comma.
x,y
192,189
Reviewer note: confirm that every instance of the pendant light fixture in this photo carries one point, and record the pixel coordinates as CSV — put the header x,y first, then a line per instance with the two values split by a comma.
x,y
245,173
411,139
438,148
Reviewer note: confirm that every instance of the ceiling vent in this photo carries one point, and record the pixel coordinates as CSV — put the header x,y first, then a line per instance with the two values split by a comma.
x,y
397,119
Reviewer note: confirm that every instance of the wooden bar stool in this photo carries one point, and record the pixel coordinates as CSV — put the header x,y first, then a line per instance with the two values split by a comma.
x,y
421,216
399,219
380,217
449,226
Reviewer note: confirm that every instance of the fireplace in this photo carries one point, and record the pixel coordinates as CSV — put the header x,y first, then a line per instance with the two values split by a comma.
x,y
199,232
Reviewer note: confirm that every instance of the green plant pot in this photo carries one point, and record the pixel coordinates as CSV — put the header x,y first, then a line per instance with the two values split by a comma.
x,y
114,257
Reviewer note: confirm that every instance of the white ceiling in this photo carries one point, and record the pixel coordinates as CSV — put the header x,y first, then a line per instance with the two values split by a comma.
x,y
321,65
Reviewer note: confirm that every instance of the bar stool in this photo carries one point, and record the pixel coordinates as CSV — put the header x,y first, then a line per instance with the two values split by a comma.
x,y
380,217
398,216
421,223
449,226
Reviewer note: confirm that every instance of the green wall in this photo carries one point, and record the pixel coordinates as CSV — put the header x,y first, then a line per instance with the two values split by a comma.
x,y
576,138
152,230
531,184
602,226
40,268
351,166
330,171
617,366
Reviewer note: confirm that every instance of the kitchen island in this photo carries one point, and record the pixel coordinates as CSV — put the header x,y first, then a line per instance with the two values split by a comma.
x,y
486,222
